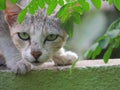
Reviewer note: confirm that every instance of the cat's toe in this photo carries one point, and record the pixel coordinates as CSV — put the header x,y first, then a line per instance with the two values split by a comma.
x,y
21,67
66,59
71,56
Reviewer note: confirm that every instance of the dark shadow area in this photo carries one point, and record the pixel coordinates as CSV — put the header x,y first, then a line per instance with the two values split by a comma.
x,y
2,63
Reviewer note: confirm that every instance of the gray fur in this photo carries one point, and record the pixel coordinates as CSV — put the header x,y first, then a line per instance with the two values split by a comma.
x,y
17,52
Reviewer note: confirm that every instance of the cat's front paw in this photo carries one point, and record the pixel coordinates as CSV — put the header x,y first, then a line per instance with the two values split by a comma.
x,y
66,58
20,67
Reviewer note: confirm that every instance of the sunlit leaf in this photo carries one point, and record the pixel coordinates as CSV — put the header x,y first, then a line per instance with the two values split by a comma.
x,y
51,7
41,3
2,4
21,16
117,4
31,9
67,0
13,1
96,3
35,5
48,2
63,14
61,2
110,1
84,5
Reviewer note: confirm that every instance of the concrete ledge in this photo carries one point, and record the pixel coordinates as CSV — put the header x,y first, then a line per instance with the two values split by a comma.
x,y
87,75
79,64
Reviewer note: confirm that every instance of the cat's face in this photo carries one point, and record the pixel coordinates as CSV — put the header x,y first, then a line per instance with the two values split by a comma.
x,y
38,38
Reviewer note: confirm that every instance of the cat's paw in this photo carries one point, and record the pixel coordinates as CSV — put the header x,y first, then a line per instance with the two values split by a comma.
x,y
20,67
66,58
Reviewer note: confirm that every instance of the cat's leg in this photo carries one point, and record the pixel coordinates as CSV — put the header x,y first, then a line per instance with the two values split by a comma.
x,y
12,56
63,57
14,60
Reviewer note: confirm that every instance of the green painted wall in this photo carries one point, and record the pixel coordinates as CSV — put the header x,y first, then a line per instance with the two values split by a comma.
x,y
102,78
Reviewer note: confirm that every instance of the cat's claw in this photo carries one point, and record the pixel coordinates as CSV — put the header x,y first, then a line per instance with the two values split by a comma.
x,y
21,67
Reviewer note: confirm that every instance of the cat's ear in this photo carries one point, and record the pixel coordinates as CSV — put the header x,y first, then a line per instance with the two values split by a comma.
x,y
54,13
11,12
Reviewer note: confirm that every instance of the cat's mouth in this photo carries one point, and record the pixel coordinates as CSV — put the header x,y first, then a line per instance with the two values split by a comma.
x,y
36,63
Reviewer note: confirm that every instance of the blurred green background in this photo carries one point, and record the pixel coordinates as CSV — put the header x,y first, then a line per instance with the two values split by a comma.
x,y
93,24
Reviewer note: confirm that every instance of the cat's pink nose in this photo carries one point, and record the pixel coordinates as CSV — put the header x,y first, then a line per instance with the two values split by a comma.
x,y
36,54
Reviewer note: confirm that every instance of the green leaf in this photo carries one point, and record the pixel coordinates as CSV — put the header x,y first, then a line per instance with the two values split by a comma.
x,y
21,16
96,3
110,2
88,53
78,9
76,17
63,14
31,9
61,2
67,0
96,52
41,3
104,42
72,66
51,7
84,5
113,34
91,51
81,2
68,26
117,4
114,25
94,46
107,54
48,2
101,37
116,43
13,1
2,4
35,4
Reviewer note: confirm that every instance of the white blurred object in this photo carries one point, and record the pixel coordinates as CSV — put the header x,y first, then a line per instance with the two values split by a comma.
x,y
91,27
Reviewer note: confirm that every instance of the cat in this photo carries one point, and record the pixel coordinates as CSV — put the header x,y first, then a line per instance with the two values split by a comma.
x,y
38,39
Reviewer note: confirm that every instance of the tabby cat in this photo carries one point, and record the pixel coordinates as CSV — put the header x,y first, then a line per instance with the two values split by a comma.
x,y
38,39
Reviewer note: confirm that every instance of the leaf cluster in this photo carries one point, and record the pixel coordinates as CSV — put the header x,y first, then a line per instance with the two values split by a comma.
x,y
69,13
110,40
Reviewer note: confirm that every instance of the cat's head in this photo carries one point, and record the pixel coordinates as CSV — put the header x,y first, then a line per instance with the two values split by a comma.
x,y
38,38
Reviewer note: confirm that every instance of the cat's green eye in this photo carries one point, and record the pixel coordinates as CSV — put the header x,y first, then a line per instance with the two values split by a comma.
x,y
23,35
51,37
